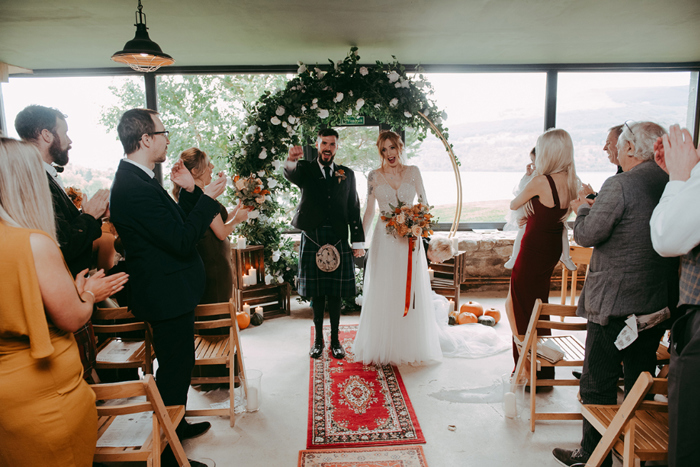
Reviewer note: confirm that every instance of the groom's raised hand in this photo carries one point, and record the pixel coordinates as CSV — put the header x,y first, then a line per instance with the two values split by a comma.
x,y
295,153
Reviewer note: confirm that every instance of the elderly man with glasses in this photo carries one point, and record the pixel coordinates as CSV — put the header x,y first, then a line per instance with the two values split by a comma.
x,y
629,285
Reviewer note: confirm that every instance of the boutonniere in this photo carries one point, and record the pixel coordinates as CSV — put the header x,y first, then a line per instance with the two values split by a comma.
x,y
340,175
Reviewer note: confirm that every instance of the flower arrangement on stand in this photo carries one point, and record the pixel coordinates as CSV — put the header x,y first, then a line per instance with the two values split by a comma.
x,y
319,95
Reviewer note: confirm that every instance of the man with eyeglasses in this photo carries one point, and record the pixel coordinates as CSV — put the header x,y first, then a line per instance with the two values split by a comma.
x,y
630,290
166,273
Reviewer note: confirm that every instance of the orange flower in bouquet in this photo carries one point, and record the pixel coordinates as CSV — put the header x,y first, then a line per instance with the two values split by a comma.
x,y
250,191
76,196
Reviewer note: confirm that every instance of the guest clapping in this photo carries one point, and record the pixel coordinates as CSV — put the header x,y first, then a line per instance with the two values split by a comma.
x,y
48,414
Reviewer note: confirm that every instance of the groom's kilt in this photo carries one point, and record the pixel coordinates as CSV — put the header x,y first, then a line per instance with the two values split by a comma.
x,y
312,281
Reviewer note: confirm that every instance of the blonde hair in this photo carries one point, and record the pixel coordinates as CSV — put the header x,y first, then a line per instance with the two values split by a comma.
x,y
554,153
193,159
25,198
395,138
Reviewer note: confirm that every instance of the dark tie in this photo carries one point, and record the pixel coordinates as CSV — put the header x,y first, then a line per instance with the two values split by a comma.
x,y
327,170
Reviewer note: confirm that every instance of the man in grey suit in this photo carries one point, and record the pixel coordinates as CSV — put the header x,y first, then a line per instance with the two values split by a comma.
x,y
628,285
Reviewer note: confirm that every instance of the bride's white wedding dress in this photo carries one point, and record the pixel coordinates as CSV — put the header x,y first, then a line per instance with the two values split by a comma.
x,y
384,335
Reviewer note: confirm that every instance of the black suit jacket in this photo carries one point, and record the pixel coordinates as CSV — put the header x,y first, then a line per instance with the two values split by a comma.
x,y
324,201
166,273
76,231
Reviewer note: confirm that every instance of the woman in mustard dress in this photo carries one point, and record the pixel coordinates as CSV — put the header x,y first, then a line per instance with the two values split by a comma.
x,y
47,410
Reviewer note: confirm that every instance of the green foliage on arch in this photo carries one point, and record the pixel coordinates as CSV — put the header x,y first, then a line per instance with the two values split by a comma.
x,y
318,95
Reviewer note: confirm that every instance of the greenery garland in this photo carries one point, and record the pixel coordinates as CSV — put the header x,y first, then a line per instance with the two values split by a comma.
x,y
317,96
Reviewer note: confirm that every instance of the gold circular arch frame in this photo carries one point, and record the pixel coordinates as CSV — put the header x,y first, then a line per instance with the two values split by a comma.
x,y
458,178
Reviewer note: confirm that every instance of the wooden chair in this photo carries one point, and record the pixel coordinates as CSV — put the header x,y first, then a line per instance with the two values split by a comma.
x,y
637,429
218,349
580,256
449,276
121,349
164,421
574,352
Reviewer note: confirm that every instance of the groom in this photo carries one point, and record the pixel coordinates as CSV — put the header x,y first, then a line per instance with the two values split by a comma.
x,y
329,206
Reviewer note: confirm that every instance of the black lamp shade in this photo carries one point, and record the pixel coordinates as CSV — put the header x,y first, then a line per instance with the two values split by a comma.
x,y
141,53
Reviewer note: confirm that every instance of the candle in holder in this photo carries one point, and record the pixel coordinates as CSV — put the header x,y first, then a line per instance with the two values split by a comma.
x,y
452,304
259,309
240,243
246,280
246,309
252,276
431,274
455,244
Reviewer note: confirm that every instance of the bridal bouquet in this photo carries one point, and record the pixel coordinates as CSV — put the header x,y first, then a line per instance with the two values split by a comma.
x,y
250,191
412,222
409,221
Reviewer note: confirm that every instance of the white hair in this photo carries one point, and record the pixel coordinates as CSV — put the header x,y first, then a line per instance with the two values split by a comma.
x,y
642,136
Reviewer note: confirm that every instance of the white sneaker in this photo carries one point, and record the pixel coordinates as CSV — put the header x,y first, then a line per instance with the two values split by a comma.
x,y
569,264
510,263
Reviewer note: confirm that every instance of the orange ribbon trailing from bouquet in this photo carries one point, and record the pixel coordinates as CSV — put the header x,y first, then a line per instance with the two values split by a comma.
x,y
409,274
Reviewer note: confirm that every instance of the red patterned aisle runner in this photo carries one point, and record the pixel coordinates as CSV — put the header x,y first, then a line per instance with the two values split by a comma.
x,y
390,456
352,404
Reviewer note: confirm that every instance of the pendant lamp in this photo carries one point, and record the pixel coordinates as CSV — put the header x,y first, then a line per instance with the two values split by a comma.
x,y
141,53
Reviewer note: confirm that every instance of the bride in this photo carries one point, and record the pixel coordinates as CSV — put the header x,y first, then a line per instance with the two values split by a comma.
x,y
384,335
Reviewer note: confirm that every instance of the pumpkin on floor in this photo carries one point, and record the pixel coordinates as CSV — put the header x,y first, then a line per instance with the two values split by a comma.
x,y
256,319
243,319
472,307
494,313
467,318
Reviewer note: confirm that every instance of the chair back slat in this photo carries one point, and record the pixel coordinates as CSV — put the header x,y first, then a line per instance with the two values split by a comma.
x,y
123,409
118,390
113,313
558,310
214,324
214,309
546,324
118,328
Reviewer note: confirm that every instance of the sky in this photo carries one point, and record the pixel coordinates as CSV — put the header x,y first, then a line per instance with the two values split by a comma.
x,y
466,97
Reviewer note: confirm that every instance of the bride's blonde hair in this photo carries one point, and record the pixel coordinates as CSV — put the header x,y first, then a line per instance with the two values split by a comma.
x,y
554,153
25,198
395,139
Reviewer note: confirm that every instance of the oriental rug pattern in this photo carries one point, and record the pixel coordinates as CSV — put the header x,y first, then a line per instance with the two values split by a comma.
x,y
390,456
352,404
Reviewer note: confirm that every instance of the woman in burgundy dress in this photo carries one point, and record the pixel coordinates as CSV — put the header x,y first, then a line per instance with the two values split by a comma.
x,y
546,199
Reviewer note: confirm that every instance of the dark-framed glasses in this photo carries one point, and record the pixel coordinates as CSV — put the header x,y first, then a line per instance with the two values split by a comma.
x,y
628,127
166,133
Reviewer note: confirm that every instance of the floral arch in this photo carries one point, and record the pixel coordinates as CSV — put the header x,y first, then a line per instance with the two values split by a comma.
x,y
322,95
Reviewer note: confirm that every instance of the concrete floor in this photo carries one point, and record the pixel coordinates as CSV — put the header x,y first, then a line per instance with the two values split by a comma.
x,y
453,392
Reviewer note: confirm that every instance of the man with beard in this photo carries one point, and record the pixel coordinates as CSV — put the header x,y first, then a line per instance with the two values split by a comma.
x,y
166,273
46,128
329,206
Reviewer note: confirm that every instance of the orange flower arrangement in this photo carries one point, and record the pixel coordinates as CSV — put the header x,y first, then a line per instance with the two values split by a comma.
x,y
76,196
409,221
250,191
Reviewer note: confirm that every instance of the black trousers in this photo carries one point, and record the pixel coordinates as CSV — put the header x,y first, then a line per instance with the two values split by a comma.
x,y
684,391
320,305
602,368
173,343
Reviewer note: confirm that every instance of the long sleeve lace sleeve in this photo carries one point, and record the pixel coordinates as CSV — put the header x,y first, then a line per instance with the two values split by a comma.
x,y
418,183
371,201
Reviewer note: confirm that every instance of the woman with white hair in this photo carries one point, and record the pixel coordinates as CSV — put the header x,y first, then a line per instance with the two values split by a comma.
x,y
48,414
546,199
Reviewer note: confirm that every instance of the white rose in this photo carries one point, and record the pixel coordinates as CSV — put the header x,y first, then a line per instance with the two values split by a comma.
x,y
416,230
408,114
405,83
292,119
240,183
393,77
314,106
397,85
364,71
394,102
376,106
274,150
358,300
303,109
360,102
349,112
271,182
301,69
243,152
280,279
284,124
254,214
276,256
268,279
253,129
276,164
275,121
261,173
350,93
323,113
400,218
280,111
338,97
315,101
263,154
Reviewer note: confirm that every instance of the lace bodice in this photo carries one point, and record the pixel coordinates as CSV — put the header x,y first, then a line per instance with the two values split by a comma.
x,y
380,192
